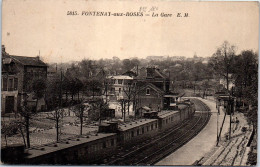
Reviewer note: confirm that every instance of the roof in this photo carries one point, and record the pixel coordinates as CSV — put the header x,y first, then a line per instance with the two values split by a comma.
x,y
7,60
119,77
171,94
131,125
166,114
29,61
50,148
154,87
182,106
130,74
161,74
146,108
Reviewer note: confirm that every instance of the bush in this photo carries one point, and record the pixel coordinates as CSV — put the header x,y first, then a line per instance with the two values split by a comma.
x,y
252,158
244,129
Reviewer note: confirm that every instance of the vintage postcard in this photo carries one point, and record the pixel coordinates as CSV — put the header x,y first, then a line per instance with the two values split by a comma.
x,y
123,82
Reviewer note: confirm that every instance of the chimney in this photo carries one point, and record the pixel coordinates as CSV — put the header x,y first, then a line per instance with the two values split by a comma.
x,y
150,72
3,48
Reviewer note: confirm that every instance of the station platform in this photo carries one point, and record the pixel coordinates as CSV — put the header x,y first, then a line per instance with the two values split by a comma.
x,y
201,144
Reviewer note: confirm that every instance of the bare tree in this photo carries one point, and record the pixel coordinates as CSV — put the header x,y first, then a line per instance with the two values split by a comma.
x,y
128,91
97,110
222,61
57,116
27,113
80,114
123,102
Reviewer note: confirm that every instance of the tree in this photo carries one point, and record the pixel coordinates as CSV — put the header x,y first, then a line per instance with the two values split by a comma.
x,y
130,93
38,87
205,85
80,114
246,76
57,116
127,64
122,103
27,112
8,130
87,68
78,85
222,61
97,109
94,86
53,91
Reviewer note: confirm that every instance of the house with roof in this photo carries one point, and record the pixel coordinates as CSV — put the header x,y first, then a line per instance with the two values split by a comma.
x,y
154,91
18,73
117,86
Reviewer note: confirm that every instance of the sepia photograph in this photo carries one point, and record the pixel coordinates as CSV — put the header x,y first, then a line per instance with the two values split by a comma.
x,y
129,83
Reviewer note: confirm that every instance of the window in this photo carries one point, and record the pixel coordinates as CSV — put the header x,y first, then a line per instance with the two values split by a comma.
x,y
104,145
112,142
120,81
152,127
15,83
119,90
147,128
142,130
10,85
137,131
132,133
4,84
148,91
155,125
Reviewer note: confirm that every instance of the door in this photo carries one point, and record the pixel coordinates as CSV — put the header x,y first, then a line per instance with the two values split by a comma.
x,y
9,104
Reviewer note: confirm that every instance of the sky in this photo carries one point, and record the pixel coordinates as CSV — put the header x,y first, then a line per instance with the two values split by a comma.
x,y
33,27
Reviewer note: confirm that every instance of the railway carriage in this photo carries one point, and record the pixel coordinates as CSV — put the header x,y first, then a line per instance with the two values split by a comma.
x,y
137,131
86,150
74,151
168,119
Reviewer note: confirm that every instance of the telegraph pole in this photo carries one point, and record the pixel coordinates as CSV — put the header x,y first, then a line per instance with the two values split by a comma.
x,y
217,126
60,88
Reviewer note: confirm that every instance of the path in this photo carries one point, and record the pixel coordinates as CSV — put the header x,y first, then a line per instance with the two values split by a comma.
x,y
201,144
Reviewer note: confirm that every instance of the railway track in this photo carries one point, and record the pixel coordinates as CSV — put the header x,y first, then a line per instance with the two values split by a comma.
x,y
153,150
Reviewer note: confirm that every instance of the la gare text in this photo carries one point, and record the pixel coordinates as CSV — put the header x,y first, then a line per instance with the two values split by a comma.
x,y
133,14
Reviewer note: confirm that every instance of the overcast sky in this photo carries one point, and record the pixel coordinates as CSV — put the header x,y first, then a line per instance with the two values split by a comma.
x,y
32,25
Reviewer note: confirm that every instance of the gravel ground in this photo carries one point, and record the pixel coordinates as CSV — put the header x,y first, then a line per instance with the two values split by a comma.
x,y
43,131
231,152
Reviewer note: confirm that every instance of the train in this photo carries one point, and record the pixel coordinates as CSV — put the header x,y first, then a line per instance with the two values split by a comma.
x,y
111,136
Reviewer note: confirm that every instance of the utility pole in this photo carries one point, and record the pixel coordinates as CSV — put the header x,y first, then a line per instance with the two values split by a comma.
x,y
60,88
217,126
106,89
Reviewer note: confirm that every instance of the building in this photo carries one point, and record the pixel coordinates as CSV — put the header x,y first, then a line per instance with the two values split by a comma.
x,y
154,91
157,58
231,81
18,73
117,86
9,93
150,96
